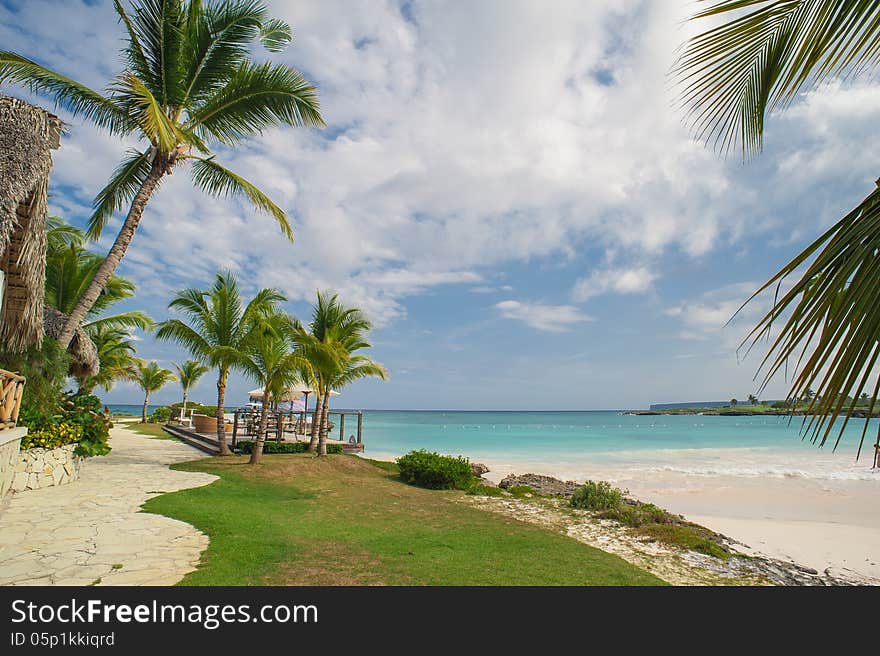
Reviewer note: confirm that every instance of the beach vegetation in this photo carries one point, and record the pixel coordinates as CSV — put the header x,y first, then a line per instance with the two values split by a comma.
x,y
522,491
189,82
150,377
755,57
269,446
301,520
435,471
218,329
160,415
596,495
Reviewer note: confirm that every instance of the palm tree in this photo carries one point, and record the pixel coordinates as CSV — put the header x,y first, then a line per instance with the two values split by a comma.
x,y
189,82
150,377
188,374
733,403
753,400
116,353
334,335
273,361
220,328
733,74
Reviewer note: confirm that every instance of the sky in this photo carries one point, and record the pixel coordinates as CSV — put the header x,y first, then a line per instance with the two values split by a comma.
x,y
507,188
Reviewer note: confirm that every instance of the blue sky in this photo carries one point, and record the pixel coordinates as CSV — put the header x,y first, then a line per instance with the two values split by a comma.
x,y
508,190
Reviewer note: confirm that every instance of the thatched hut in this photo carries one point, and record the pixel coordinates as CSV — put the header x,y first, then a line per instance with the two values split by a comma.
x,y
28,135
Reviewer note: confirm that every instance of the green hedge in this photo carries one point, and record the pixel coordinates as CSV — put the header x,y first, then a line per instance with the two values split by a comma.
x,y
287,447
434,471
596,496
160,415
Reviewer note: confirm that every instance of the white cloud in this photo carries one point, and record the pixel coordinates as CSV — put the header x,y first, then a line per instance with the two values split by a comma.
x,y
620,281
550,318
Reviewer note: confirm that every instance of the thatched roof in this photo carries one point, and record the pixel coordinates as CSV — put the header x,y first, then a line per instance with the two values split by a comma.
x,y
28,135
83,352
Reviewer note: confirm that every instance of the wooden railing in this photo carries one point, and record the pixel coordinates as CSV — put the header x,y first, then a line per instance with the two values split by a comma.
x,y
11,388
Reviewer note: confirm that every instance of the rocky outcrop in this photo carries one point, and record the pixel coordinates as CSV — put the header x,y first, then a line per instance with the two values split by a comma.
x,y
542,485
479,468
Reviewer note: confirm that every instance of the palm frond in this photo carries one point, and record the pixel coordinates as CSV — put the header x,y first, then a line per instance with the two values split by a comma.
x,y
769,52
119,191
257,97
275,35
132,320
217,180
830,321
75,97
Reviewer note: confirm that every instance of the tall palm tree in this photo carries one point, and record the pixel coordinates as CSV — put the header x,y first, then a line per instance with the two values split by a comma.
x,y
150,377
334,335
273,361
220,328
116,353
189,82
70,268
188,374
759,60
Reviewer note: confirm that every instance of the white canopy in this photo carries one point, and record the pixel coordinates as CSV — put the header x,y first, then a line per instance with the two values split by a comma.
x,y
291,394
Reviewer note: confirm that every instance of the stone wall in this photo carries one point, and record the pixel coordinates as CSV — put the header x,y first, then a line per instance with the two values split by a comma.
x,y
10,440
37,468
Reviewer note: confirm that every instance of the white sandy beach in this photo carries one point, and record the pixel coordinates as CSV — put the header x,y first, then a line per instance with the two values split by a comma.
x,y
815,508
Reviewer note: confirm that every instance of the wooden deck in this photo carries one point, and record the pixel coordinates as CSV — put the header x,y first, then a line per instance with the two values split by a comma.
x,y
208,443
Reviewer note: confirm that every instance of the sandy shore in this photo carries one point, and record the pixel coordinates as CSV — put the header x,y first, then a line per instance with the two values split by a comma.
x,y
819,521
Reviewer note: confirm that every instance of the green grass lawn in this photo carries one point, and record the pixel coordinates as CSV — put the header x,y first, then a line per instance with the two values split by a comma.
x,y
341,520
151,430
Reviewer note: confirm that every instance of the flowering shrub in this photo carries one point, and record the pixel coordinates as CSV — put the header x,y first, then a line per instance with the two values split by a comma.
x,y
53,436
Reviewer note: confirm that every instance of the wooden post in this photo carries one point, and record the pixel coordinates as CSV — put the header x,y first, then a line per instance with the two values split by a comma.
x,y
360,426
342,427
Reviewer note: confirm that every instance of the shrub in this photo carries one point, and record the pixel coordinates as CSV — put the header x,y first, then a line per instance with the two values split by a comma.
x,y
197,408
434,471
160,415
686,536
596,496
86,410
287,447
52,436
638,514
481,490
522,491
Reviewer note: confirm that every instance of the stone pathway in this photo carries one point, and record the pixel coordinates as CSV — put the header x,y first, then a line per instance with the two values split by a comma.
x,y
91,531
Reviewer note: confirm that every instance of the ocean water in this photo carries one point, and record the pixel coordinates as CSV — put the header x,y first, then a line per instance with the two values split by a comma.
x,y
130,408
585,444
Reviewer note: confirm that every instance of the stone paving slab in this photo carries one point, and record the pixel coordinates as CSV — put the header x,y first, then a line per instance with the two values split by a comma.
x,y
91,531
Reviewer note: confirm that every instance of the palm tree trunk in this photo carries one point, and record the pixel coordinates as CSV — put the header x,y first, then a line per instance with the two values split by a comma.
x,y
144,410
183,409
316,417
257,453
117,251
221,420
322,432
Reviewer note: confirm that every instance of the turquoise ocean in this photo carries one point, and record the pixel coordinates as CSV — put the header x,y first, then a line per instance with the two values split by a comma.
x,y
615,445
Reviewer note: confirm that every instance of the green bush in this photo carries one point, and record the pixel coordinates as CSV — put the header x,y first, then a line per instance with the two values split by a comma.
x,y
434,471
86,410
160,415
637,515
197,408
481,490
287,447
594,495
52,436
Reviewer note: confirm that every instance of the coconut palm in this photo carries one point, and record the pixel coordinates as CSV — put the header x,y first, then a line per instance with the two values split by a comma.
x,y
116,353
150,377
759,60
330,343
189,82
70,268
220,328
273,361
188,374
